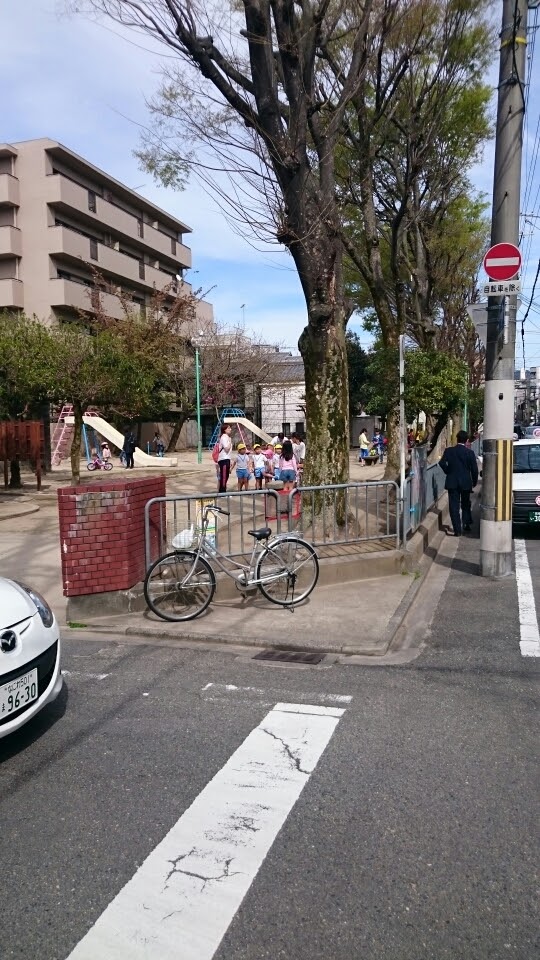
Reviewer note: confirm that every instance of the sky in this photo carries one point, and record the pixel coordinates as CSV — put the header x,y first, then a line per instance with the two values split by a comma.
x,y
86,84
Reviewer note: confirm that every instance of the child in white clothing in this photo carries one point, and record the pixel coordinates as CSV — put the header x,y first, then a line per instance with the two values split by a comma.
x,y
259,465
243,466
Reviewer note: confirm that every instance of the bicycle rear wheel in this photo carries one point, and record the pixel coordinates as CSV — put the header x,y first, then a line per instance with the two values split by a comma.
x,y
179,586
289,570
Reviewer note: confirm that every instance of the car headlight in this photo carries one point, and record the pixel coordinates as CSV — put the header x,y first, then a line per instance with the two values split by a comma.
x,y
43,607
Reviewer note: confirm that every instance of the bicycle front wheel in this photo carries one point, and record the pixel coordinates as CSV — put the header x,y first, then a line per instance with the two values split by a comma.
x,y
179,586
288,570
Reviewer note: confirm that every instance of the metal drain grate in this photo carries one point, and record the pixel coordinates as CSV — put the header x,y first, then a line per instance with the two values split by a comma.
x,y
282,656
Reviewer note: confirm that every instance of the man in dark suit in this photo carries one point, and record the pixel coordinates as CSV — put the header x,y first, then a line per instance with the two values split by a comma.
x,y
461,469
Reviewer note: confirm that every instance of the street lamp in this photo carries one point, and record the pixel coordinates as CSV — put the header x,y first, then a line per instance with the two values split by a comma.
x,y
198,401
197,386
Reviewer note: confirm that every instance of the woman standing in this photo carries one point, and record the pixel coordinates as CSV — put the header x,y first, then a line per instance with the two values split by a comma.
x,y
224,457
364,448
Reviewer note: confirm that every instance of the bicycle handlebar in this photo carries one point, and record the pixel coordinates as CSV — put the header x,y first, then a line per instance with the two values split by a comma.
x,y
217,509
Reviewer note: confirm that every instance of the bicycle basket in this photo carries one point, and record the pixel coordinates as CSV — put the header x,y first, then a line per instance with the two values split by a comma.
x,y
184,539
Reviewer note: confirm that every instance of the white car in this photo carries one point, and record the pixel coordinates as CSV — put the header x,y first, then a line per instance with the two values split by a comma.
x,y
30,675
526,481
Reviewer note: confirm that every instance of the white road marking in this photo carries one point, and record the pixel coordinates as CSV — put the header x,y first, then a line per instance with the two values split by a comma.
x,y
218,690
82,673
528,621
182,899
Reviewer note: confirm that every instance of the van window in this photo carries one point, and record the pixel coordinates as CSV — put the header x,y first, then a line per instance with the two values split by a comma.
x,y
527,458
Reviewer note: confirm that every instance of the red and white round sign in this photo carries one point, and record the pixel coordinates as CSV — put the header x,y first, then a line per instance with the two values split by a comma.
x,y
536,433
537,501
503,261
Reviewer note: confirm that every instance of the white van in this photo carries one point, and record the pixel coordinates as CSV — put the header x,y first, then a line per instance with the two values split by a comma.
x,y
526,481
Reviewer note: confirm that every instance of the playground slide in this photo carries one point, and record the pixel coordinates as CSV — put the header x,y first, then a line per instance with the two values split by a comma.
x,y
108,432
244,422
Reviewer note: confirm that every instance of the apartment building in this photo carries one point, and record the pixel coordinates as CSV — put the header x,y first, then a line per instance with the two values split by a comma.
x,y
61,218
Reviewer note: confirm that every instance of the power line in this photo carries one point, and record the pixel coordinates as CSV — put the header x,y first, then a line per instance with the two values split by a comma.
x,y
528,311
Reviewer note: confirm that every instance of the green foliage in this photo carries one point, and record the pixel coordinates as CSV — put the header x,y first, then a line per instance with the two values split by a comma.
x,y
357,360
67,362
475,401
435,382
26,358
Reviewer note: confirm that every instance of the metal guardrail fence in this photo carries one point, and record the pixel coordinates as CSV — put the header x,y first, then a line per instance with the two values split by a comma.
x,y
420,494
344,513
328,516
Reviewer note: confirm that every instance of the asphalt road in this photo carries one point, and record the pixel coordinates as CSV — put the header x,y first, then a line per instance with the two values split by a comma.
x,y
415,836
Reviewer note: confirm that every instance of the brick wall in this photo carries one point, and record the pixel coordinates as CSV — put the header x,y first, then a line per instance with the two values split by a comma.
x,y
102,534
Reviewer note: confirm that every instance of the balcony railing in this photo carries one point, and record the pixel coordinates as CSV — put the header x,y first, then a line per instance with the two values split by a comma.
x,y
77,295
11,294
65,193
9,190
10,242
70,243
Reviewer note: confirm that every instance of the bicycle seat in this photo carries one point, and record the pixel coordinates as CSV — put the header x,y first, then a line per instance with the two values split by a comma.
x,y
261,534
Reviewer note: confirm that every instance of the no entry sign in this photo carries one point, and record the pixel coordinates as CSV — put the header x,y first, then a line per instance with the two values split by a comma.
x,y
503,261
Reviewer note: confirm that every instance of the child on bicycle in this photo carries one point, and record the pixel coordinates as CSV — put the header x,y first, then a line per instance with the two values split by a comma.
x,y
244,466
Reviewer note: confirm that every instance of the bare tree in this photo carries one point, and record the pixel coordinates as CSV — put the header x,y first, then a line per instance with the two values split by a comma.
x,y
259,100
268,92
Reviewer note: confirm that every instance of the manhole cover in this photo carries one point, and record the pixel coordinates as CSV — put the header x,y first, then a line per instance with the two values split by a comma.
x,y
282,656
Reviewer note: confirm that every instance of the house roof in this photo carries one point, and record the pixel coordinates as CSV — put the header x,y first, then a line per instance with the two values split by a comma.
x,y
286,369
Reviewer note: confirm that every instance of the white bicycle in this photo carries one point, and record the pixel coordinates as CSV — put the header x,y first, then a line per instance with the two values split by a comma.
x,y
180,585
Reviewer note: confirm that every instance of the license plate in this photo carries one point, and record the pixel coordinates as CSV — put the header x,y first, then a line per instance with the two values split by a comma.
x,y
534,516
18,693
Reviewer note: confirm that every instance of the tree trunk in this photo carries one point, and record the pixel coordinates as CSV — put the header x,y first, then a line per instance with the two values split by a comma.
x,y
324,354
76,443
15,482
391,470
178,424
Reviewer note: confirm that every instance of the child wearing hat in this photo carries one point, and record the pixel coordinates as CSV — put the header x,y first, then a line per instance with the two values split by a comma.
x,y
243,466
259,465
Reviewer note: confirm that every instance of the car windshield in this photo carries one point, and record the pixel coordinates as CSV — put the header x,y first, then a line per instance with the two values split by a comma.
x,y
527,458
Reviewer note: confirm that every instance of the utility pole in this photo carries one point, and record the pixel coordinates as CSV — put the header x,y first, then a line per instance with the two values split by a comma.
x,y
496,512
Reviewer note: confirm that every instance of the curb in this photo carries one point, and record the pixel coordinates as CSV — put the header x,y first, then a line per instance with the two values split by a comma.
x,y
419,549
22,512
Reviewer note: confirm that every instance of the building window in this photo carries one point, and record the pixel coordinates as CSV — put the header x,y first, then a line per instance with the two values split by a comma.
x,y
173,246
286,428
93,250
140,228
300,427
92,202
141,269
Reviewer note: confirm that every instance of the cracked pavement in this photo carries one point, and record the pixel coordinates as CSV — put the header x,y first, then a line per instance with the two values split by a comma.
x,y
414,838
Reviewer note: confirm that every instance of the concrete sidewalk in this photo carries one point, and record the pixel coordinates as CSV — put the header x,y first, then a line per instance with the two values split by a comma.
x,y
360,617
357,617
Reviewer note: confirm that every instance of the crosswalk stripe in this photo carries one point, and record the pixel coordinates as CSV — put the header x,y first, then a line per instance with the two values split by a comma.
x,y
528,621
216,692
184,896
